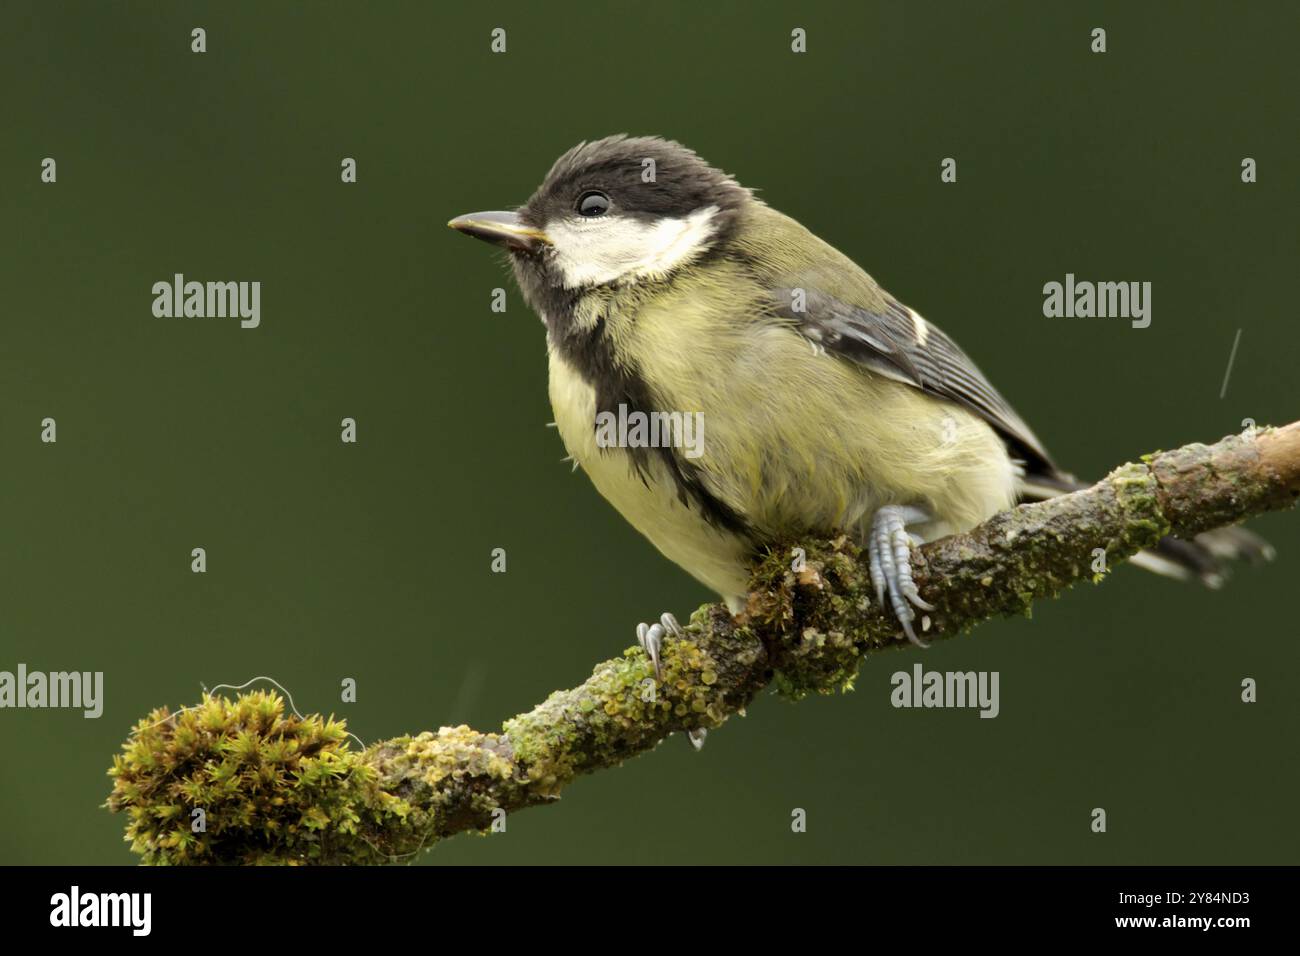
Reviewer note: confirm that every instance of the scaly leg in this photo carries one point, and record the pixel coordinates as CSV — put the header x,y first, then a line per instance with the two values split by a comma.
x,y
890,563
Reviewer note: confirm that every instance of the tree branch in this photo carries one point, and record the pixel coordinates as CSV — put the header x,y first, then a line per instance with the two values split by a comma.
x,y
277,788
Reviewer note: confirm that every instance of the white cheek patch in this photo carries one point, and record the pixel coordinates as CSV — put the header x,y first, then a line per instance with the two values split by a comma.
x,y
619,249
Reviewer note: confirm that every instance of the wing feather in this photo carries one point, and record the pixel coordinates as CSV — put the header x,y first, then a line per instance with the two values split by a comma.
x,y
894,341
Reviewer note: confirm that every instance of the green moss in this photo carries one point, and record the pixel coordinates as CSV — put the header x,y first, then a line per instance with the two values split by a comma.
x,y
272,788
821,614
278,789
621,709
1137,494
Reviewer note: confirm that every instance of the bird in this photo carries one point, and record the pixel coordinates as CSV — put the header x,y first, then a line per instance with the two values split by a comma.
x,y
668,288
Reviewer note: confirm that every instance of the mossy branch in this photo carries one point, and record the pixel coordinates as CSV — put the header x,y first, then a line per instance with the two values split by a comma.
x,y
282,789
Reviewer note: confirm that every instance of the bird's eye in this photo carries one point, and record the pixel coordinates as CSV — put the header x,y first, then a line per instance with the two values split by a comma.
x,y
593,203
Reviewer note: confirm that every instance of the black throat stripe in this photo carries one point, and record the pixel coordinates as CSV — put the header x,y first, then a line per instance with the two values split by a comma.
x,y
618,383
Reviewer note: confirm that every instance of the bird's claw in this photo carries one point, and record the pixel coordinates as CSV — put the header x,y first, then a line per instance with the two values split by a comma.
x,y
890,564
651,639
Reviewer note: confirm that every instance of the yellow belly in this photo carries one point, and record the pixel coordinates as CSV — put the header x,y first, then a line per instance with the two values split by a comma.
x,y
715,558
795,441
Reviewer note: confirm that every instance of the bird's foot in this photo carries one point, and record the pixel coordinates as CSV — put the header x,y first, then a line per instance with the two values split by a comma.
x,y
651,638
889,550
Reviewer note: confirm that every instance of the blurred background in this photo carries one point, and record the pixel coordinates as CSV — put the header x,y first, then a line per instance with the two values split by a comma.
x,y
371,561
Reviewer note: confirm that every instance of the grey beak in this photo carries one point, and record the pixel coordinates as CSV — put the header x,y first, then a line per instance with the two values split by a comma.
x,y
501,229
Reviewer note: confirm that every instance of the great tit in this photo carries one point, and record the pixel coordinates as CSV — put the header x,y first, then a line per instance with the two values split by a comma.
x,y
666,286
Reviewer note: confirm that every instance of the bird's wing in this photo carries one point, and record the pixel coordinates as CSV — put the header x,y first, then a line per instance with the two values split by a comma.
x,y
892,340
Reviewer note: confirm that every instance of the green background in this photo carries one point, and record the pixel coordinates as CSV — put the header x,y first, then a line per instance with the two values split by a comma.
x,y
371,561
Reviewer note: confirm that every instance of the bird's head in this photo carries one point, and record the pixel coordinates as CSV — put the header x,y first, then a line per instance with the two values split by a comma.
x,y
617,211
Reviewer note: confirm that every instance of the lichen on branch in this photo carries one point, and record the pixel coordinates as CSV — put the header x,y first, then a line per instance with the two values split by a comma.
x,y
271,787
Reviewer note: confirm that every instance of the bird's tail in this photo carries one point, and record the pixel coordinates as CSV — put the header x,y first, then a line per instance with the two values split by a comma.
x,y
1204,558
